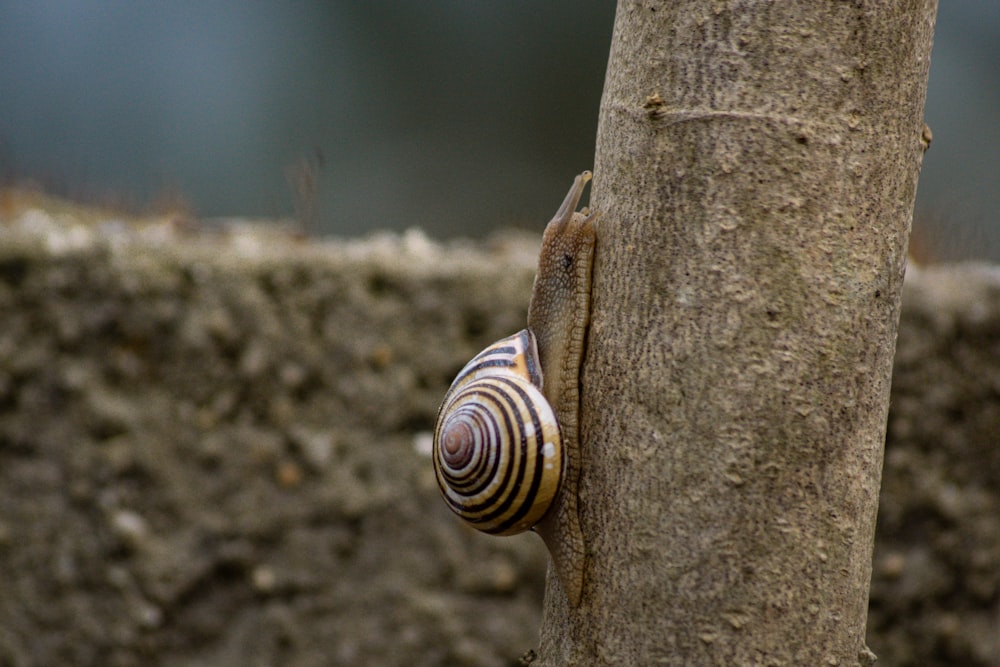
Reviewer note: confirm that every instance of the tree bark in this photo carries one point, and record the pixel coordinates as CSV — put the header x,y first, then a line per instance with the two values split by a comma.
x,y
756,168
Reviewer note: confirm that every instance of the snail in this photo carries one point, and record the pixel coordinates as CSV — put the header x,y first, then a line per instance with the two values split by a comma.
x,y
506,452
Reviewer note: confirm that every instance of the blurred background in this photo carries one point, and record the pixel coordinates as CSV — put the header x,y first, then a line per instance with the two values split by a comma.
x,y
457,117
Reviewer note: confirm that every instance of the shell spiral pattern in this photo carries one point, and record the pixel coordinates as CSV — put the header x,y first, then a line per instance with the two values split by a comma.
x,y
497,444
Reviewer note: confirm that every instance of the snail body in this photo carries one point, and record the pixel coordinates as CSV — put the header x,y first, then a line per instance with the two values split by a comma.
x,y
506,452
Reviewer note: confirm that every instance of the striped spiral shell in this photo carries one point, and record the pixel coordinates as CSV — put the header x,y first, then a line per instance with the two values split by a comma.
x,y
498,452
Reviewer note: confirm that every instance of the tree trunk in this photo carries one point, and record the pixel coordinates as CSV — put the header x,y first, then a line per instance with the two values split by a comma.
x,y
756,168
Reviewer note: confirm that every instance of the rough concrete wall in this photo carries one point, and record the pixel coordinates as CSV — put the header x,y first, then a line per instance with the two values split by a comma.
x,y
935,596
213,451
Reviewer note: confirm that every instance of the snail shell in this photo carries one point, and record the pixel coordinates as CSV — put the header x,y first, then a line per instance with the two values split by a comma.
x,y
498,454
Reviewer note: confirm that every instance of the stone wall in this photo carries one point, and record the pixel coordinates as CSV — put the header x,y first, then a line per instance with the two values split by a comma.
x,y
214,452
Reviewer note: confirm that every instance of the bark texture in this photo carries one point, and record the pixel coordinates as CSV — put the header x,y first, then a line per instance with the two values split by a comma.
x,y
756,168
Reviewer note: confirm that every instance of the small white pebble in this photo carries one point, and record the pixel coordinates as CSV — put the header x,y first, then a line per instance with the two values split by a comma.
x,y
129,525
149,616
263,578
423,443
